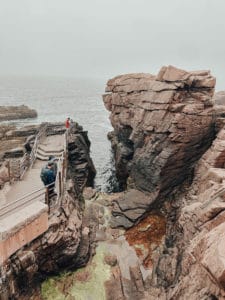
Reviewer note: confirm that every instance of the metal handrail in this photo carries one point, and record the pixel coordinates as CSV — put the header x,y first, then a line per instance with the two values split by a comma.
x,y
60,180
23,163
33,153
22,201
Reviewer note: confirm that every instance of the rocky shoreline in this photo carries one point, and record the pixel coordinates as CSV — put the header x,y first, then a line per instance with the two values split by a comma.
x,y
162,237
8,113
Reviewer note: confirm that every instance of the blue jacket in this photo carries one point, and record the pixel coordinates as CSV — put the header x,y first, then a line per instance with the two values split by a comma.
x,y
47,176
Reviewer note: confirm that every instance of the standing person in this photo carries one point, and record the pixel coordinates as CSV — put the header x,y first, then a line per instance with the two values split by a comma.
x,y
27,147
67,123
48,178
53,159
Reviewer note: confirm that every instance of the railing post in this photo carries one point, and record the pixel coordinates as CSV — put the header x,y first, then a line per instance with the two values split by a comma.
x,y
60,184
9,171
63,167
47,198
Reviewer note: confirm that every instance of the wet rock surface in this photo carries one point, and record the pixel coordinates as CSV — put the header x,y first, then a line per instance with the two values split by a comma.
x,y
117,270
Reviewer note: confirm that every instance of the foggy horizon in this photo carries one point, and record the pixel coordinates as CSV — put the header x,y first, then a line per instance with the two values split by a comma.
x,y
104,38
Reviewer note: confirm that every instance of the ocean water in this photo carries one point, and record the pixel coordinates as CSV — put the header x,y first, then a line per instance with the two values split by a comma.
x,y
55,99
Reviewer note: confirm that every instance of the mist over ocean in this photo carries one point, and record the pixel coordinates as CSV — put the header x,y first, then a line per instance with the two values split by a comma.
x,y
58,98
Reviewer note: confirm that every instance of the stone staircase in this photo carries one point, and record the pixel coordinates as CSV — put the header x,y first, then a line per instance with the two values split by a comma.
x,y
43,153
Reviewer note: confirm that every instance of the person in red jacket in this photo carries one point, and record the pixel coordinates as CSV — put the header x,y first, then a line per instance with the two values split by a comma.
x,y
67,124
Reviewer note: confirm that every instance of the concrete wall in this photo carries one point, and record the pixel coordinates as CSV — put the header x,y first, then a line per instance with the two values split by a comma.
x,y
16,237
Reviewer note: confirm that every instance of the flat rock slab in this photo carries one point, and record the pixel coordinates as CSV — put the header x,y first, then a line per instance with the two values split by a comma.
x,y
133,199
120,221
128,208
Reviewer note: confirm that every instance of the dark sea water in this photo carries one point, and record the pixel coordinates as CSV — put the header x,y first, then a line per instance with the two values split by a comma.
x,y
58,98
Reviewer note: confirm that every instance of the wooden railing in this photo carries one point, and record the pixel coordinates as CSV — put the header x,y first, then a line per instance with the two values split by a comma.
x,y
24,164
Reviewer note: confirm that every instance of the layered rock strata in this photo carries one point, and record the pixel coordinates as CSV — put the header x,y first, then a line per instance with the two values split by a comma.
x,y
195,258
162,125
189,261
67,244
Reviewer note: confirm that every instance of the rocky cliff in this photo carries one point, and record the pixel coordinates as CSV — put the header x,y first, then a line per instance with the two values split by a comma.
x,y
68,243
163,236
168,141
162,126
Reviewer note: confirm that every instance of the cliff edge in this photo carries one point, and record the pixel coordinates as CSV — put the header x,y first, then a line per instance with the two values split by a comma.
x,y
168,142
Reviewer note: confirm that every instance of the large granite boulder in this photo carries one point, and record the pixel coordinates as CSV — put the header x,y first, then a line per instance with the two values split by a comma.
x,y
162,126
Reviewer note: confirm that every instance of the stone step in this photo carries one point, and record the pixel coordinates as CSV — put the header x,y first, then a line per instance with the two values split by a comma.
x,y
49,151
45,155
56,154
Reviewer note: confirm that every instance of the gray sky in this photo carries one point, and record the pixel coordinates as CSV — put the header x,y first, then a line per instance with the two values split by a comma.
x,y
104,38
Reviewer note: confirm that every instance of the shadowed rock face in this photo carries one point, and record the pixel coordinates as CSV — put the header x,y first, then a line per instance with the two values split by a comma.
x,y
162,126
81,167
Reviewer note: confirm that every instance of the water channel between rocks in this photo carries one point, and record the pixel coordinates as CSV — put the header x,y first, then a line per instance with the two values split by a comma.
x,y
117,253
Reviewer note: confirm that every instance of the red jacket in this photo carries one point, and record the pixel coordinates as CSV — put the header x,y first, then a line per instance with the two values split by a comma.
x,y
67,123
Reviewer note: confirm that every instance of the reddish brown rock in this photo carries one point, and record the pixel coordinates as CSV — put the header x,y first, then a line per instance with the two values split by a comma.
x,y
162,125
162,133
197,253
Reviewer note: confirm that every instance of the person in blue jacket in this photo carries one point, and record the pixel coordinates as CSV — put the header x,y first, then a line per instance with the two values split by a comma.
x,y
48,177
53,159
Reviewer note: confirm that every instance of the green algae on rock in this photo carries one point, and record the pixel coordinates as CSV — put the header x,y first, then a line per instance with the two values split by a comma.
x,y
85,283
